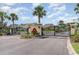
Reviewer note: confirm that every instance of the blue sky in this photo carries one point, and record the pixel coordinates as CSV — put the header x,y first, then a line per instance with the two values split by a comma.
x,y
54,12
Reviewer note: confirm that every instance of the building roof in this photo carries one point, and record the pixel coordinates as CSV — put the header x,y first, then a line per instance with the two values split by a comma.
x,y
15,26
48,25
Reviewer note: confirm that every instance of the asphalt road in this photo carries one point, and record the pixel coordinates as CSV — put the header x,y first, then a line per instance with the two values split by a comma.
x,y
13,45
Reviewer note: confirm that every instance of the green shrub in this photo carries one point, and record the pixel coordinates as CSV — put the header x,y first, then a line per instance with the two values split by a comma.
x,y
75,38
26,35
1,34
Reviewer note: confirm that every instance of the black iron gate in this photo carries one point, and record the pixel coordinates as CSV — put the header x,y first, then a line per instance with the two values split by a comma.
x,y
57,31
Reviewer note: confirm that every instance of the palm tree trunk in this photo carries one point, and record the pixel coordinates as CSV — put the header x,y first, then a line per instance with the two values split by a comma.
x,y
2,19
40,26
13,27
38,20
2,22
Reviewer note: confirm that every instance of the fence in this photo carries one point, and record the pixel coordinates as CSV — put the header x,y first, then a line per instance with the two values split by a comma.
x,y
56,31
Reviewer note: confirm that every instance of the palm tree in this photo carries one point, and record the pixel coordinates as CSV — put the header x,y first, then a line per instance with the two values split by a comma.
x,y
13,17
40,12
2,16
77,9
77,12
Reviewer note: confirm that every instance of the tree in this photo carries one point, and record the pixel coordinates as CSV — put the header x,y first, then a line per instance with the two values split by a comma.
x,y
77,12
40,12
13,17
77,9
62,26
3,15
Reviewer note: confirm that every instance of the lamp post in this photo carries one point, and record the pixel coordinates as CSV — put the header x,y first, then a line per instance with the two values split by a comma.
x,y
54,30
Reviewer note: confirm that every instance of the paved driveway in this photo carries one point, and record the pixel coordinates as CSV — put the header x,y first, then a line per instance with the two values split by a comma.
x,y
13,45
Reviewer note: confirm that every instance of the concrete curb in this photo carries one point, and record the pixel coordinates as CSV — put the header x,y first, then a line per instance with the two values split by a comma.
x,y
70,48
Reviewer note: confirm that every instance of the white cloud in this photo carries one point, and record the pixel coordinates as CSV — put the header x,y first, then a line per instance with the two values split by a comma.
x,y
68,19
51,5
35,19
61,8
57,10
19,10
25,18
61,18
66,14
36,4
54,14
9,4
5,8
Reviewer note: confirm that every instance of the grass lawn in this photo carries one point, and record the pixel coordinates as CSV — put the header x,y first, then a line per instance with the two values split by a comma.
x,y
76,47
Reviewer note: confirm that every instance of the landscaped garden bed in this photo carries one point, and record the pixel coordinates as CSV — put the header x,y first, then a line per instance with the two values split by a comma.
x,y
29,35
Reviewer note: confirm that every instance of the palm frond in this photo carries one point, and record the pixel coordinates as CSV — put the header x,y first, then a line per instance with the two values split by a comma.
x,y
13,16
78,5
77,9
39,11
